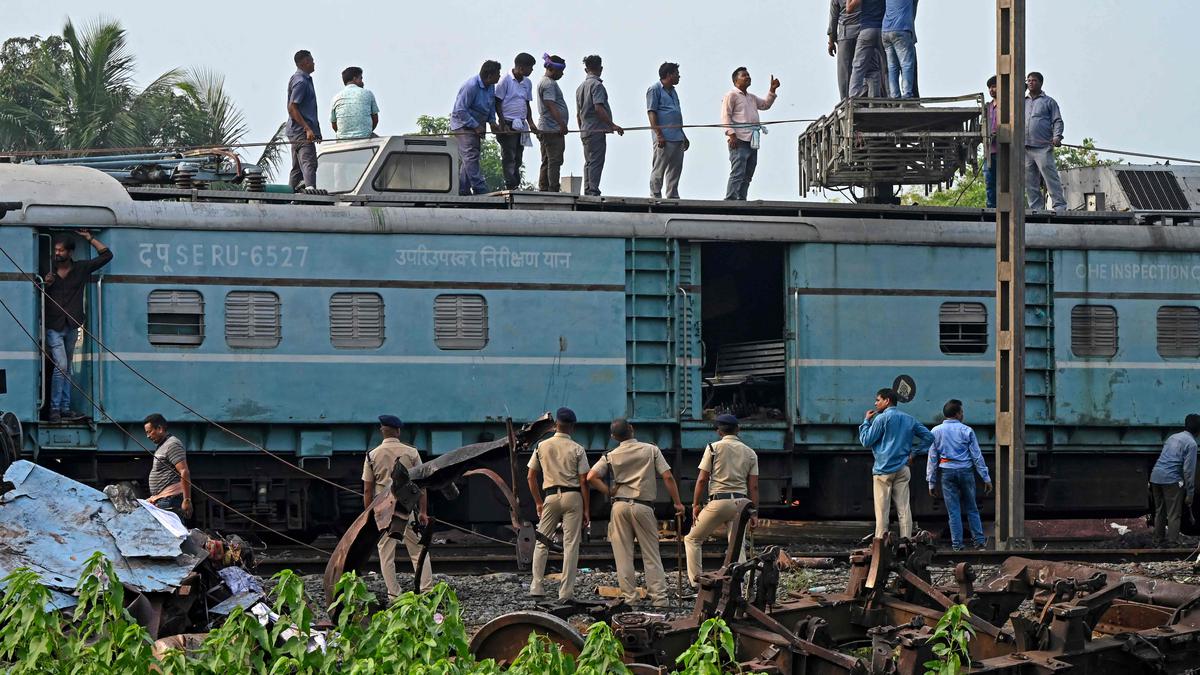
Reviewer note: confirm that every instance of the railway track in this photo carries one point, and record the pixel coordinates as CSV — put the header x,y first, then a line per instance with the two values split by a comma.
x,y
485,558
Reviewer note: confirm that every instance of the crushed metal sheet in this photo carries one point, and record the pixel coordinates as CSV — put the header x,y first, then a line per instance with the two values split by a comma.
x,y
52,525
245,600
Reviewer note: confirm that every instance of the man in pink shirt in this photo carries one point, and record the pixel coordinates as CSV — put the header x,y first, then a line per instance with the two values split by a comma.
x,y
739,115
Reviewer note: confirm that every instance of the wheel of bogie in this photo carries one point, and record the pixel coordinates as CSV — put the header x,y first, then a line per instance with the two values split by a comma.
x,y
503,638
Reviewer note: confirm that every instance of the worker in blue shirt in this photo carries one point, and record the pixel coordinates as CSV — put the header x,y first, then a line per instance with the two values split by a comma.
x,y
1173,481
889,434
955,454
474,108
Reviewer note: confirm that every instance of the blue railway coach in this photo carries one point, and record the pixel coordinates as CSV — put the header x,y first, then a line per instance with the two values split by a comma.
x,y
295,321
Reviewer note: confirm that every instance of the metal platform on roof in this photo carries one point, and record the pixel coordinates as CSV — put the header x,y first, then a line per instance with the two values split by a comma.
x,y
923,141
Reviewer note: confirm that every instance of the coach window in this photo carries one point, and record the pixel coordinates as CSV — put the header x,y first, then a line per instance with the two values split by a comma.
x,y
1178,332
962,328
1094,330
175,318
356,320
415,172
252,319
341,170
460,322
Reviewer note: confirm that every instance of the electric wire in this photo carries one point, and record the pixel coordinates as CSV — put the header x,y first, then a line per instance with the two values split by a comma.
x,y
170,396
1132,154
45,353
290,142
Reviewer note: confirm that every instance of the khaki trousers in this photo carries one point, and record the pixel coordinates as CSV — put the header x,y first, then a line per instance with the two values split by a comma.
x,y
627,522
892,487
714,514
567,508
387,562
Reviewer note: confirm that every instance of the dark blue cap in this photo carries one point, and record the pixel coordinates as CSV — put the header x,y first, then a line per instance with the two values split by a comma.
x,y
390,421
565,415
727,419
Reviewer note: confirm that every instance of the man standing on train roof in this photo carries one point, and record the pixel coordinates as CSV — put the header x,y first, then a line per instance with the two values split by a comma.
x,y
739,117
900,47
866,75
1043,133
989,167
64,289
377,475
354,113
513,95
670,142
632,466
728,472
843,35
595,122
474,107
552,122
303,130
564,468
889,434
1173,481
956,455
170,481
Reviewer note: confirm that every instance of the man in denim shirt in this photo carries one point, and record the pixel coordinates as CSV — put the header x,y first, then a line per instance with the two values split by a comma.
x,y
955,453
1173,481
889,434
1043,133
474,108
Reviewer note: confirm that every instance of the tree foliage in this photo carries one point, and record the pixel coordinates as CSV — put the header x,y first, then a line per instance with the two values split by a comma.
x,y
77,91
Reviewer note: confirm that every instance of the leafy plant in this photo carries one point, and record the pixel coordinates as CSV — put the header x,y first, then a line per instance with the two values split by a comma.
x,y
602,653
712,653
951,643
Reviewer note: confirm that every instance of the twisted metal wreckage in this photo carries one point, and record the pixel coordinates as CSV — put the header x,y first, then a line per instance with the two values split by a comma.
x,y
1088,620
176,580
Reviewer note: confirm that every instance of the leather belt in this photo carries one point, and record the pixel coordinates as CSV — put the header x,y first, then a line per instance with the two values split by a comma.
x,y
726,495
560,490
630,500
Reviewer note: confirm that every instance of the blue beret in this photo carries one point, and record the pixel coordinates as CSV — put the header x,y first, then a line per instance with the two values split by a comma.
x,y
727,419
565,415
390,421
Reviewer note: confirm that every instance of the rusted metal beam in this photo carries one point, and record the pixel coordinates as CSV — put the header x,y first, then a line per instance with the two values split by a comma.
x,y
1010,275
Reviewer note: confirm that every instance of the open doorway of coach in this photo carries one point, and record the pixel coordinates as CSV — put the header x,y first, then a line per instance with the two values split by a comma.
x,y
743,329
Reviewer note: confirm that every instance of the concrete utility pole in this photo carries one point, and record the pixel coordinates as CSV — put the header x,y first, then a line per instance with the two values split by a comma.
x,y
1010,275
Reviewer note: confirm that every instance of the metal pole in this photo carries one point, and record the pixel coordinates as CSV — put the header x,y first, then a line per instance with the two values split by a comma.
x,y
1010,275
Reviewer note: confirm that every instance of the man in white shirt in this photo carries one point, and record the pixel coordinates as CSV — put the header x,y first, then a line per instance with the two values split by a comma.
x,y
513,94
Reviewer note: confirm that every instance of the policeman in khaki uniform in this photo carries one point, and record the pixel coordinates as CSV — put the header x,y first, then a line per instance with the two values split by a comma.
x,y
377,474
633,465
729,471
564,468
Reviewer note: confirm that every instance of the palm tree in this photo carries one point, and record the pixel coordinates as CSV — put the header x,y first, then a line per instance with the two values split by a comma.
x,y
96,104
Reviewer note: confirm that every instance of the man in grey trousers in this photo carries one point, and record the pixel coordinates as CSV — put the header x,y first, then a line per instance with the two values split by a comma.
x,y
843,35
1173,481
1043,133
866,75
670,142
595,122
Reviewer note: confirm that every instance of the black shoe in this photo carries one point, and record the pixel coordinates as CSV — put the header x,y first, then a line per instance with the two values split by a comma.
x,y
72,416
55,417
979,547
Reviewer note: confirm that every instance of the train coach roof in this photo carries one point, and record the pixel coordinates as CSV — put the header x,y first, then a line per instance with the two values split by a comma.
x,y
64,196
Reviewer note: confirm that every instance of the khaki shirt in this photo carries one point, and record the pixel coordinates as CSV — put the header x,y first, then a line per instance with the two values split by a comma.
x,y
735,463
561,461
635,467
383,459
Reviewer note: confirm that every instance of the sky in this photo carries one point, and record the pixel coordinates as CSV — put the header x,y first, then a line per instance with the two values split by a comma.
x,y
1122,72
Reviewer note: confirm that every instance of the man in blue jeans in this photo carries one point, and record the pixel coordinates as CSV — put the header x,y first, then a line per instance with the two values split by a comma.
x,y
64,290
955,453
900,45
